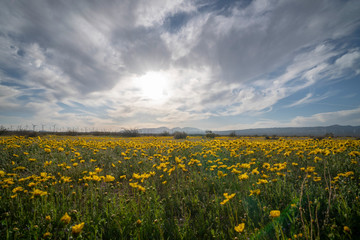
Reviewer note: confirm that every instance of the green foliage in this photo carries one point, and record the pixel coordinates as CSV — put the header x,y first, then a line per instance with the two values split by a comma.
x,y
180,135
130,133
210,134
233,134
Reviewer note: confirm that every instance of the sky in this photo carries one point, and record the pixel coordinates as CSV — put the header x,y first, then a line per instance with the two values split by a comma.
x,y
216,65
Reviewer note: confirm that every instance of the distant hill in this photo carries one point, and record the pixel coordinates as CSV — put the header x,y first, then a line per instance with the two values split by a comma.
x,y
160,130
335,130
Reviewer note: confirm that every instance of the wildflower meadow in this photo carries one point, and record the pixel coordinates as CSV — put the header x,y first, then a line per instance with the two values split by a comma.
x,y
86,187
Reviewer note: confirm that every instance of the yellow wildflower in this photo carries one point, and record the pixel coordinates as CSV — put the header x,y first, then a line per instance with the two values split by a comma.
x,y
18,189
225,201
253,192
243,176
240,228
221,174
47,235
38,192
76,229
65,219
274,213
109,178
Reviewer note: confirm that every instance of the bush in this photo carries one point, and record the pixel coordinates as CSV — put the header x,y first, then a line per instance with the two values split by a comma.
x,y
210,134
3,130
180,135
130,133
164,134
233,134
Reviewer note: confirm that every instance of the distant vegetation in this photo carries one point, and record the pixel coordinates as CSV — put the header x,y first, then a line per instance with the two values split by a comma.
x,y
180,135
269,133
210,134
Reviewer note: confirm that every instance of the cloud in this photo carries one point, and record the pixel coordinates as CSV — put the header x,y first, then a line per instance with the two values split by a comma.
x,y
344,117
155,11
251,41
81,60
310,98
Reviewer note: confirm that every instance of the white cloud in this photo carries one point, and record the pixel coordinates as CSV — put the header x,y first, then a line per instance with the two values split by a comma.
x,y
154,12
343,117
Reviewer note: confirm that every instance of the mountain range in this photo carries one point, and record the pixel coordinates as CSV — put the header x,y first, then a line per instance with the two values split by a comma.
x,y
335,130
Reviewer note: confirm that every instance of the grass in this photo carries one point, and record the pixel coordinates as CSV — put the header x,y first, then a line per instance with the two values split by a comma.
x,y
161,188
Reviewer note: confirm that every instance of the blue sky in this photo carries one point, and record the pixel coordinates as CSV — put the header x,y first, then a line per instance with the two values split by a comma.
x,y
207,64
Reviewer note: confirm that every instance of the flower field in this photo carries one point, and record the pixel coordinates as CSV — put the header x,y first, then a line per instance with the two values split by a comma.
x,y
57,187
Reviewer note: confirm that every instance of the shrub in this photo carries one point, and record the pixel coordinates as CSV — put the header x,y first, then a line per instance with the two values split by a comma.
x,y
130,133
210,134
164,133
3,130
232,134
180,135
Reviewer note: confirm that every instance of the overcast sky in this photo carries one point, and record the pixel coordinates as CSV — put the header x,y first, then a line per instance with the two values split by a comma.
x,y
207,64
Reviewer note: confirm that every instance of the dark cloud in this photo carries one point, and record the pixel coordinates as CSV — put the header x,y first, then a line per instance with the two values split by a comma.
x,y
72,32
259,38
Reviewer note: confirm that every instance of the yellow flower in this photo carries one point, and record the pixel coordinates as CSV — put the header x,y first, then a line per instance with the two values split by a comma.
x,y
18,189
138,222
266,165
47,235
243,176
48,218
109,178
65,219
346,229
226,195
240,228
317,179
38,192
262,181
221,174
254,192
274,213
225,201
76,229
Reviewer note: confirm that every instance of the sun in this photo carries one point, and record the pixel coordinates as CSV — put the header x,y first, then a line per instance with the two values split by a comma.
x,y
153,86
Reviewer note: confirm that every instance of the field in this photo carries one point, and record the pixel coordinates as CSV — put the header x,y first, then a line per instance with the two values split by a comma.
x,y
58,187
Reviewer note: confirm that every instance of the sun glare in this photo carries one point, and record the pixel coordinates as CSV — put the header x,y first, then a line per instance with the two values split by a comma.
x,y
153,85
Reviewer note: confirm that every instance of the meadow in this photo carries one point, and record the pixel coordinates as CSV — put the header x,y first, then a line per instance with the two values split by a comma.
x,y
69,187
